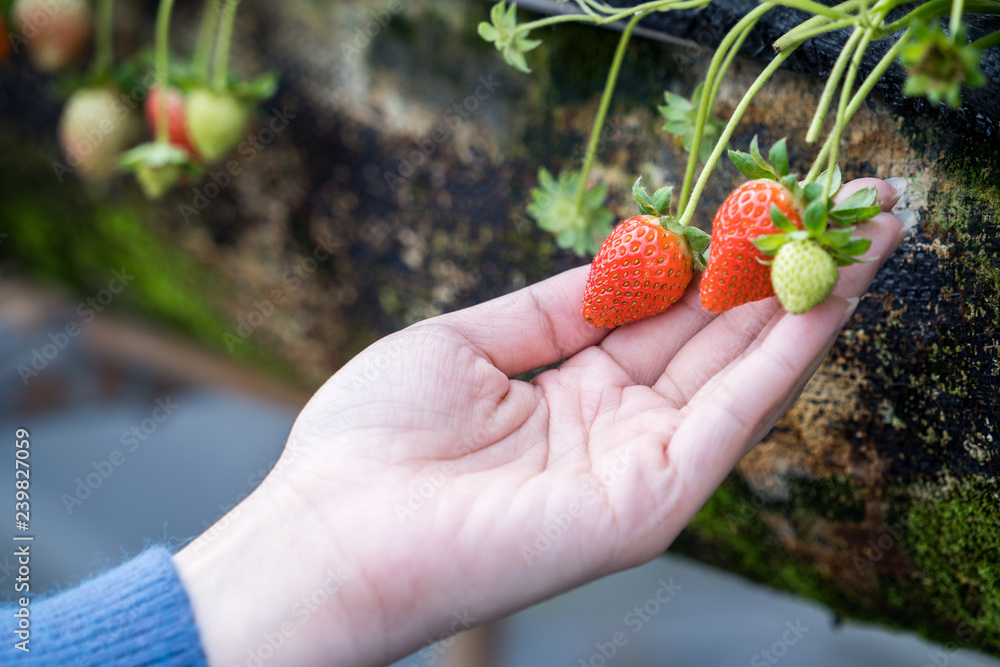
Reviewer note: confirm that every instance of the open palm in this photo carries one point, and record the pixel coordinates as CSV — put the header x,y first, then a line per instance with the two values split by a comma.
x,y
452,491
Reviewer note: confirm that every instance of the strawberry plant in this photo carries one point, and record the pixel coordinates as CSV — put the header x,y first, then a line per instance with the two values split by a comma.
x,y
196,112
774,234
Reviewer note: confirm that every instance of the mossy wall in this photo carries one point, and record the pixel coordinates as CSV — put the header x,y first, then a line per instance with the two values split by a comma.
x,y
878,492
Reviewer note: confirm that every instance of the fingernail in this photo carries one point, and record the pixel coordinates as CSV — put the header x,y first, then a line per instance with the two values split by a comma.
x,y
852,305
898,184
909,220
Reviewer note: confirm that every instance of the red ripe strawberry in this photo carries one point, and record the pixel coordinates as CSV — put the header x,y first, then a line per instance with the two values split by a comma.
x,y
53,33
643,267
177,129
735,275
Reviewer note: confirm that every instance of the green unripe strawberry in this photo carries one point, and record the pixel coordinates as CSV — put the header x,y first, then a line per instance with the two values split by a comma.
x,y
803,275
215,121
94,130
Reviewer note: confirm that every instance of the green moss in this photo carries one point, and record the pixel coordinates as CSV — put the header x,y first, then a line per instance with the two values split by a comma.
x,y
58,233
953,538
836,497
730,531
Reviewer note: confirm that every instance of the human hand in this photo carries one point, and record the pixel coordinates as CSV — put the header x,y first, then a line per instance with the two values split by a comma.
x,y
445,494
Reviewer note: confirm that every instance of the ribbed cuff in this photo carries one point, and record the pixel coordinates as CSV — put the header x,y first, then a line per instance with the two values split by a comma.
x,y
136,614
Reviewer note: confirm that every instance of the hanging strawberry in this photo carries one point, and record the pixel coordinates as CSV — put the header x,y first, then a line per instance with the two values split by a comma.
x,y
94,130
177,127
52,33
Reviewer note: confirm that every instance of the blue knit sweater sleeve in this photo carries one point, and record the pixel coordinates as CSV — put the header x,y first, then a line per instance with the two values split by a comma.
x,y
136,614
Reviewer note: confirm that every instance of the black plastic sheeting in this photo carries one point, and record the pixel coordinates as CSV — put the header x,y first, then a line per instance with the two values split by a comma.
x,y
979,115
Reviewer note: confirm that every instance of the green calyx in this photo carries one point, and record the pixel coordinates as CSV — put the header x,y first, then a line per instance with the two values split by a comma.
x,y
501,31
838,241
158,166
754,166
820,211
938,64
659,206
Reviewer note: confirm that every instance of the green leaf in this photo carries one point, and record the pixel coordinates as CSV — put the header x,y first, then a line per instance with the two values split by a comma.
x,y
697,239
855,247
860,199
524,44
769,243
780,220
815,218
747,166
154,154
661,200
261,88
642,198
567,238
553,206
812,191
682,117
677,102
516,59
839,237
758,158
594,197
837,179
790,181
779,158
675,114
488,32
497,13
854,216
680,128
510,18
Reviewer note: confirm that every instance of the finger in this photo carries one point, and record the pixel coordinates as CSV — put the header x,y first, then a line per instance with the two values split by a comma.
x,y
728,335
886,231
888,191
730,414
532,327
644,348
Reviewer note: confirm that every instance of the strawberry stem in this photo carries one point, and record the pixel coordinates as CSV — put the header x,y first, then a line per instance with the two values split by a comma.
x,y
721,61
955,24
602,110
163,68
831,85
800,36
104,38
988,41
727,132
220,64
817,25
858,99
612,14
845,96
201,60
814,8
